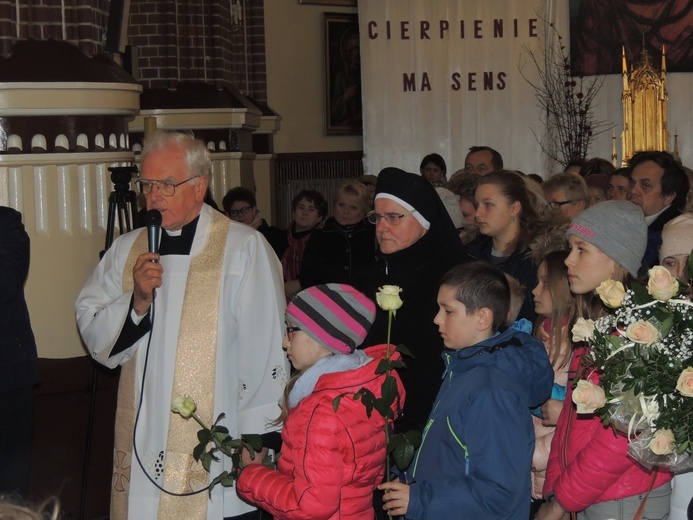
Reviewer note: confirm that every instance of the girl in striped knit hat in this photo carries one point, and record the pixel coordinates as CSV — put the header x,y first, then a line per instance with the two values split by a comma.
x,y
331,461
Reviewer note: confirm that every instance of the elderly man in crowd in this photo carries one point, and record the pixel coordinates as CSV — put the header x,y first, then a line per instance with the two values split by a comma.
x,y
203,318
482,160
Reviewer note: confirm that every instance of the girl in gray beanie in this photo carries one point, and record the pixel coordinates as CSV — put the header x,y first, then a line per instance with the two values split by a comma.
x,y
606,241
589,468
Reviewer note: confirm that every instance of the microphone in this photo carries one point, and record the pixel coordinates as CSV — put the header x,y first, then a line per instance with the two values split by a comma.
x,y
153,221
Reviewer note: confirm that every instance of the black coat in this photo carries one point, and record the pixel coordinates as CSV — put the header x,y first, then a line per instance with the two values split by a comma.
x,y
654,239
519,264
18,359
417,270
334,253
275,236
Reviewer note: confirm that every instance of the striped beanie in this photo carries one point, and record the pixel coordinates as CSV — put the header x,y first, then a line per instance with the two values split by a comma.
x,y
337,316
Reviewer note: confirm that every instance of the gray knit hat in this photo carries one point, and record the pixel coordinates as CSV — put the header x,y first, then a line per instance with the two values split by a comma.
x,y
617,228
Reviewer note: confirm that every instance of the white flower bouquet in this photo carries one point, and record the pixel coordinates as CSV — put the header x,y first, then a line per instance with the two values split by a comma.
x,y
643,351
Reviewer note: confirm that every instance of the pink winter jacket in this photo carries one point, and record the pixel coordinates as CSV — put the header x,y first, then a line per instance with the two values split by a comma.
x,y
544,434
331,461
589,462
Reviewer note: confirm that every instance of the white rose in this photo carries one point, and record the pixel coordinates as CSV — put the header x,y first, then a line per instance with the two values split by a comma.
x,y
642,332
661,285
583,330
611,293
685,382
388,297
588,397
184,405
663,442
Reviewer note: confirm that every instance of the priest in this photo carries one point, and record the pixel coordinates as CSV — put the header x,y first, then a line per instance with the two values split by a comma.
x,y
202,318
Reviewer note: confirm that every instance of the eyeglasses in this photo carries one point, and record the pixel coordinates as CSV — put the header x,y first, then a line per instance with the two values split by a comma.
x,y
556,204
392,219
166,188
235,213
290,331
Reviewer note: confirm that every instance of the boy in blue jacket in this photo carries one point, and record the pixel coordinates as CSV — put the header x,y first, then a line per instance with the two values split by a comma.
x,y
476,454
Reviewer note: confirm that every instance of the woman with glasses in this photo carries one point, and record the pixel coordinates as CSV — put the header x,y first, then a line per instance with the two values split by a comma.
x,y
309,209
567,194
508,224
345,244
240,205
417,244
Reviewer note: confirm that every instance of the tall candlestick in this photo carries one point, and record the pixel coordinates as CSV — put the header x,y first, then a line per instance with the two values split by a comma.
x,y
149,125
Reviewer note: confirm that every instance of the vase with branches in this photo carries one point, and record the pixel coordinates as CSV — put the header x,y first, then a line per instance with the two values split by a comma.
x,y
567,101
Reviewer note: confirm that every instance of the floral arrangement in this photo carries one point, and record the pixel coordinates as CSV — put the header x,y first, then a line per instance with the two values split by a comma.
x,y
643,351
217,440
401,446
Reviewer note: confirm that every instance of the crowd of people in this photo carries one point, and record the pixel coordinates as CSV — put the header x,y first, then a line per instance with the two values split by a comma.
x,y
271,327
553,240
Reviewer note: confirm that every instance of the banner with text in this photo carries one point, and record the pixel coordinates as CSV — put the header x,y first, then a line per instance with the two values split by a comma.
x,y
444,75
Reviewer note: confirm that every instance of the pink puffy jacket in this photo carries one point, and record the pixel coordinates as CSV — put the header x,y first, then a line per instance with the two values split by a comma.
x,y
589,462
330,461
544,434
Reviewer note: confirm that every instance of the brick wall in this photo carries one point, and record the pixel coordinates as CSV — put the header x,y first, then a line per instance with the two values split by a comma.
x,y
192,40
81,22
176,40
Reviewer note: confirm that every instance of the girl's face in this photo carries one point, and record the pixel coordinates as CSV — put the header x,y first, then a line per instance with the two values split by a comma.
x,y
348,210
302,350
543,302
587,266
677,265
432,173
306,215
494,212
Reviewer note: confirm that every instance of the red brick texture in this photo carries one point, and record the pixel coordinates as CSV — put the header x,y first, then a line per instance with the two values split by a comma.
x,y
177,40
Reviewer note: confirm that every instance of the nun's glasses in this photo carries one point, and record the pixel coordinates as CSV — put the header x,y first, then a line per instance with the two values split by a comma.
x,y
393,219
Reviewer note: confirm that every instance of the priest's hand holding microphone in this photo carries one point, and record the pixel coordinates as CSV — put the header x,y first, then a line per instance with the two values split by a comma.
x,y
147,272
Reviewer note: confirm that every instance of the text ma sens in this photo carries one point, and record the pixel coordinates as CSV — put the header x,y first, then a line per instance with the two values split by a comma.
x,y
471,81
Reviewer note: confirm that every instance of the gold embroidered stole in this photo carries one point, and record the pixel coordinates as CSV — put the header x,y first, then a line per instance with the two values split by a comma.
x,y
194,376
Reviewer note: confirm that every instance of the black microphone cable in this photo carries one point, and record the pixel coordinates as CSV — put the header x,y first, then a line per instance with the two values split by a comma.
x,y
139,409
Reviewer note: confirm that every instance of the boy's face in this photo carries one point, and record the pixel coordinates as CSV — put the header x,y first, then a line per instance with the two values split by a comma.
x,y
458,328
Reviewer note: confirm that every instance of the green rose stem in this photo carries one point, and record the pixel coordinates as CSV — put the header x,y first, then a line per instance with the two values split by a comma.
x,y
199,421
387,375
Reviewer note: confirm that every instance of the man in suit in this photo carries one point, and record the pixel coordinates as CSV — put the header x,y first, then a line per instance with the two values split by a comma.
x,y
659,186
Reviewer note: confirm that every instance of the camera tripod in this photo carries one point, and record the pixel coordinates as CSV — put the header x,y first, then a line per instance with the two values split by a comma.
x,y
122,204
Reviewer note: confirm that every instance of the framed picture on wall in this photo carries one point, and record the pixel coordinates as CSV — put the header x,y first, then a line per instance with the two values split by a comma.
x,y
343,109
329,2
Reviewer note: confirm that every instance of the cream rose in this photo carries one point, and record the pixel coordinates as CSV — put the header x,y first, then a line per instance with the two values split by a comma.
x,y
611,292
663,442
583,330
588,397
661,285
388,297
685,382
642,332
183,405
